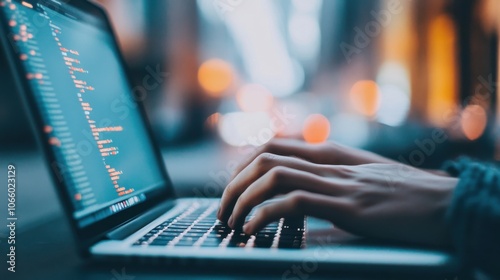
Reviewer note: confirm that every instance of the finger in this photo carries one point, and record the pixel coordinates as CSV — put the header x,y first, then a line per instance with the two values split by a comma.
x,y
278,181
299,203
260,166
284,147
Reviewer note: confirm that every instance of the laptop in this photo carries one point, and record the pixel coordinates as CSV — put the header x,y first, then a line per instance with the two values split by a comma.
x,y
110,174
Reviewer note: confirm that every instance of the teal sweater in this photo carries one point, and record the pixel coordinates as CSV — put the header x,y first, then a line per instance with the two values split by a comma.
x,y
474,216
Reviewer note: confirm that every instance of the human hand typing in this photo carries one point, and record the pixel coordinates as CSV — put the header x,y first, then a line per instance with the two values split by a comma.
x,y
384,200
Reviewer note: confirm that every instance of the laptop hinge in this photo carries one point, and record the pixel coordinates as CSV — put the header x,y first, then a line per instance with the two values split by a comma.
x,y
130,227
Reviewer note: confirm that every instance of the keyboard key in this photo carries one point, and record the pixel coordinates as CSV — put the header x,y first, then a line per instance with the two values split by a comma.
x,y
268,231
222,231
194,234
204,224
216,234
159,242
232,244
179,230
182,223
185,243
183,227
163,237
263,243
169,233
264,236
210,244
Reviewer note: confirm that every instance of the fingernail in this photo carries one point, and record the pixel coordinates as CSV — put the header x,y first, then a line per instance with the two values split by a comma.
x,y
230,222
246,229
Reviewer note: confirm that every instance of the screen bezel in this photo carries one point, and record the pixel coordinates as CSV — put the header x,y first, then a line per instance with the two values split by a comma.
x,y
90,234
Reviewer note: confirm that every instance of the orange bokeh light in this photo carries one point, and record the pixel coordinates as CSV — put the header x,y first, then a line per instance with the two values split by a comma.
x,y
365,97
254,98
473,121
442,69
316,129
26,4
54,142
213,120
215,76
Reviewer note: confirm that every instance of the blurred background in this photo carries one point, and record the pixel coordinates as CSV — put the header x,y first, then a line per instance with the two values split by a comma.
x,y
383,75
415,81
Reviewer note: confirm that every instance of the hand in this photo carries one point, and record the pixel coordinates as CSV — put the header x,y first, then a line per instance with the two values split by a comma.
x,y
389,201
325,153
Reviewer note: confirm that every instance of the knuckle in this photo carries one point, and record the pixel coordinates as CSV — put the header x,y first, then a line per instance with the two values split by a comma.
x,y
277,174
266,148
343,171
228,192
323,152
265,159
297,199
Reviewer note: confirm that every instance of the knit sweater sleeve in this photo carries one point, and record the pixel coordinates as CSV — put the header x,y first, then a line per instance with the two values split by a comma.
x,y
474,215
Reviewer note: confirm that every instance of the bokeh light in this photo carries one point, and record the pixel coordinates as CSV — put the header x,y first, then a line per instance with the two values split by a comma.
x,y
395,91
54,141
316,129
254,98
264,49
215,77
350,129
394,105
48,129
26,4
442,69
473,121
243,129
394,73
308,6
365,97
305,34
290,127
213,120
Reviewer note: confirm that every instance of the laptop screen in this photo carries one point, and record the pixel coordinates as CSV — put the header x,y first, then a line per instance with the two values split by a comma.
x,y
103,153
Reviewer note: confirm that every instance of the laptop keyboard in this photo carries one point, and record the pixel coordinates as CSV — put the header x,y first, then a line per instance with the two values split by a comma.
x,y
198,226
